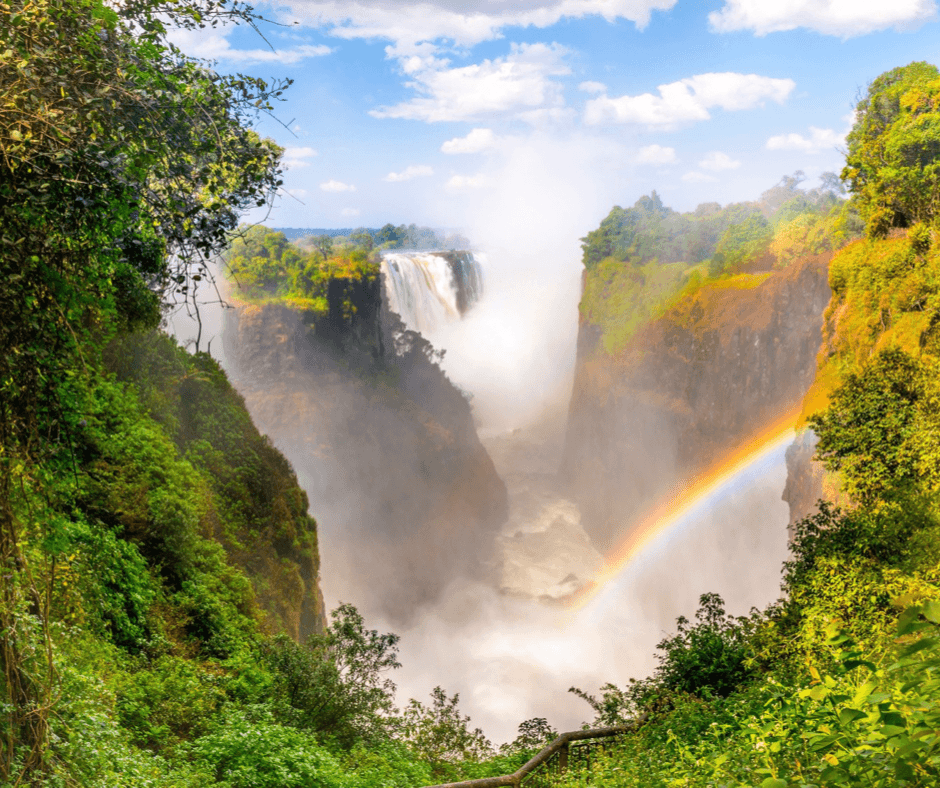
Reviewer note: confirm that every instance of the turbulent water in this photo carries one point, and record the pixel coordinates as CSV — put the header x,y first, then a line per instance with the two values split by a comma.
x,y
543,552
431,289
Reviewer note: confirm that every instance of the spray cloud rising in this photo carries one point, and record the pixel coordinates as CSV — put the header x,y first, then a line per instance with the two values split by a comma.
x,y
461,589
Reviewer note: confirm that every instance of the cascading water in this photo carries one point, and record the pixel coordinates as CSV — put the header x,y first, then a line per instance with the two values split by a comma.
x,y
430,289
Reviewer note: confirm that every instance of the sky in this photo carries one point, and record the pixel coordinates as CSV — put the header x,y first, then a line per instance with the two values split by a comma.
x,y
413,112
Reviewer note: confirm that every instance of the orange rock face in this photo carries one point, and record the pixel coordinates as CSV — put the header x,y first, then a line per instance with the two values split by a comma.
x,y
689,387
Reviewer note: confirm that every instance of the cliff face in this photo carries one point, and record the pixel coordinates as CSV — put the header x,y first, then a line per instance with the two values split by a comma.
x,y
405,494
687,388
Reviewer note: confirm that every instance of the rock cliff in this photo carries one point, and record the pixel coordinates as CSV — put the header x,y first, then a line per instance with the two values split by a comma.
x,y
688,387
406,496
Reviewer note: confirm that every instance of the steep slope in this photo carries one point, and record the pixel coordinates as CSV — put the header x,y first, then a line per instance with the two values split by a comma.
x,y
717,365
251,505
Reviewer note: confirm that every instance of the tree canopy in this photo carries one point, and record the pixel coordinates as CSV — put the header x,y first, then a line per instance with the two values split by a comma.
x,y
893,161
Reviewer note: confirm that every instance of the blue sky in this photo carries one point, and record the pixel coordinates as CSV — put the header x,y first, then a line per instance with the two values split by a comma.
x,y
447,112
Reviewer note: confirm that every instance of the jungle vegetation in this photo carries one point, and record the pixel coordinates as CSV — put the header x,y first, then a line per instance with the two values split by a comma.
x,y
160,616
160,619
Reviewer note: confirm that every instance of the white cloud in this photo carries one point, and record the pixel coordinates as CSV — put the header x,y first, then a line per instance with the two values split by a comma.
x,y
337,186
477,140
503,86
690,99
716,161
463,22
656,154
414,171
295,158
593,87
465,182
215,46
298,193
350,212
698,177
843,18
818,141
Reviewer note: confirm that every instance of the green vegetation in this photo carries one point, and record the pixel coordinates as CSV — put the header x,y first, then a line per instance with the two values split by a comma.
x,y
892,165
643,261
160,621
836,684
267,267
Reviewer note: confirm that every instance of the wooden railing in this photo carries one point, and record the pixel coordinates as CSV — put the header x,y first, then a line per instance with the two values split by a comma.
x,y
570,753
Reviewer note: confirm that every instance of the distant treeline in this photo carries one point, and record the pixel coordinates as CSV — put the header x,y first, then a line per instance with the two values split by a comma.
x,y
389,236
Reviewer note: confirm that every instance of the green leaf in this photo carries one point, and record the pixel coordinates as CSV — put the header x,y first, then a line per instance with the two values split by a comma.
x,y
848,716
931,611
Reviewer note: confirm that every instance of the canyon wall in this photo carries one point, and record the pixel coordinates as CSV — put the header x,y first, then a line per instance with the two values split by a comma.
x,y
406,496
689,387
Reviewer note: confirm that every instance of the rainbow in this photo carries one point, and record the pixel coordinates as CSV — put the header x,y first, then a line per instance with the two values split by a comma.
x,y
684,498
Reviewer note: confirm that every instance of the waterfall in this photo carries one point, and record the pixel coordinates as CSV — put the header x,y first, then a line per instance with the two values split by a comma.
x,y
430,289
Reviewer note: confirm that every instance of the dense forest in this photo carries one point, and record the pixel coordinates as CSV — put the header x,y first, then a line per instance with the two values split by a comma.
x,y
160,617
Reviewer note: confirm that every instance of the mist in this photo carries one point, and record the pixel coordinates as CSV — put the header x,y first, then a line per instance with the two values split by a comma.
x,y
515,352
504,645
512,659
485,617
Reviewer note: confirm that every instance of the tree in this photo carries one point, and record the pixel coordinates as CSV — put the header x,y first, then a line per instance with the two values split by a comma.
x,y
893,161
324,245
335,684
707,656
867,430
533,734
440,734
391,236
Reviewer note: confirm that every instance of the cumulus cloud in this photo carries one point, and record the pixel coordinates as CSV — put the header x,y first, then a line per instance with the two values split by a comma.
x,y
716,161
466,23
843,18
698,177
689,99
593,87
337,186
477,140
298,193
465,182
504,86
350,212
295,158
215,46
413,171
656,154
817,141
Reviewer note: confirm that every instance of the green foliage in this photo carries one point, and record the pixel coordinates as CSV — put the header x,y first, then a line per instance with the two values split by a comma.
x,y
168,701
893,162
621,297
707,657
650,230
246,495
248,749
440,735
335,685
534,734
867,430
643,261
742,241
265,266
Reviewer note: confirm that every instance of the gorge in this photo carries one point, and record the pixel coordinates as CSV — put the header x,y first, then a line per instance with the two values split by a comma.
x,y
415,515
